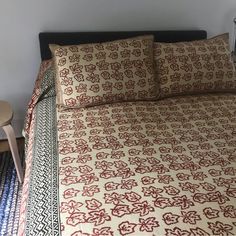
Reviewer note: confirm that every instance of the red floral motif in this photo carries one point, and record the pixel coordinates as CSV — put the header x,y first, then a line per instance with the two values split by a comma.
x,y
98,217
148,180
208,186
148,225
125,173
64,136
229,171
231,192
68,91
61,52
132,197
187,186
75,68
218,228
68,180
83,98
103,165
67,160
211,213
70,102
162,202
106,174
90,190
81,88
143,208
199,232
121,210
95,88
200,197
105,231
85,169
76,218
70,193
88,178
70,207
117,154
199,176
126,228
68,170
165,179
82,146
177,232
102,155
114,198
170,218
137,161
64,73
149,151
223,182
120,164
152,191
182,202
190,217
210,197
171,190
83,158
182,176
111,186
107,86
229,211
128,184
66,81
79,233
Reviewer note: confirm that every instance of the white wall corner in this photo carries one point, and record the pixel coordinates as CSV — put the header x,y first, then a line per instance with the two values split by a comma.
x,y
17,125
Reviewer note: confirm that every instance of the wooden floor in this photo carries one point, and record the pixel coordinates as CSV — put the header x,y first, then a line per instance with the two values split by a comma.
x,y
4,146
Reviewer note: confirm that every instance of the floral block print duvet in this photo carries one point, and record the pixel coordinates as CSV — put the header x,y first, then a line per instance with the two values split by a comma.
x,y
149,168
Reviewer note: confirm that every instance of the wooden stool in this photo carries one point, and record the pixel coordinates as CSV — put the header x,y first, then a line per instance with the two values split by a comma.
x,y
6,115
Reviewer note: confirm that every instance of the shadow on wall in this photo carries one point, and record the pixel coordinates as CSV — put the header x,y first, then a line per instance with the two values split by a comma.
x,y
143,21
229,17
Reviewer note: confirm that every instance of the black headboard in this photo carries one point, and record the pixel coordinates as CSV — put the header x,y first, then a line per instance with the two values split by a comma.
x,y
47,38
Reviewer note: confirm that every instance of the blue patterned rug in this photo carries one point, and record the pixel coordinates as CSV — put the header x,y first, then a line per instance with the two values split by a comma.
x,y
10,195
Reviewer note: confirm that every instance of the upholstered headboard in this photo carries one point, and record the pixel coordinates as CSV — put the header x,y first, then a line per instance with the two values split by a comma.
x,y
47,38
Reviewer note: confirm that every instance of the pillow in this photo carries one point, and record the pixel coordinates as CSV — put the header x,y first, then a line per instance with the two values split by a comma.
x,y
94,74
195,67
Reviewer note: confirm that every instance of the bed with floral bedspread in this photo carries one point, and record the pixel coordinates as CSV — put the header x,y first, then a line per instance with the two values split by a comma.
x,y
134,168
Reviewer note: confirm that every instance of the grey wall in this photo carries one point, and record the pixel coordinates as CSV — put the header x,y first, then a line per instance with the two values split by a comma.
x,y
21,21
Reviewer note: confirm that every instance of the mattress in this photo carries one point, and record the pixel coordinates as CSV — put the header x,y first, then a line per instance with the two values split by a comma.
x,y
135,168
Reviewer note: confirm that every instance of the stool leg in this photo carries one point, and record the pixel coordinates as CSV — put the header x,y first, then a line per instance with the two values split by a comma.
x,y
14,150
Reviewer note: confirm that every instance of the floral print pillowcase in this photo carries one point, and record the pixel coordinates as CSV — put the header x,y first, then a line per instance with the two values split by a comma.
x,y
195,67
100,73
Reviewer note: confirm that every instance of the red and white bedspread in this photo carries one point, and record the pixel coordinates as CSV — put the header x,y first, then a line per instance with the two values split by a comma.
x,y
149,168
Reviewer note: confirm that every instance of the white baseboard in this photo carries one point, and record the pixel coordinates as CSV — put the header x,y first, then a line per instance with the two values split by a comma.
x,y
17,126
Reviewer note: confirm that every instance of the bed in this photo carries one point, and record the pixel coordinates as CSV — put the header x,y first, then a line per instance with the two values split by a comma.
x,y
159,167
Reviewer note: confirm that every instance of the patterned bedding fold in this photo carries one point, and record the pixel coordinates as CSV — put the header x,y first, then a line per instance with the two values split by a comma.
x,y
39,211
44,88
39,204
